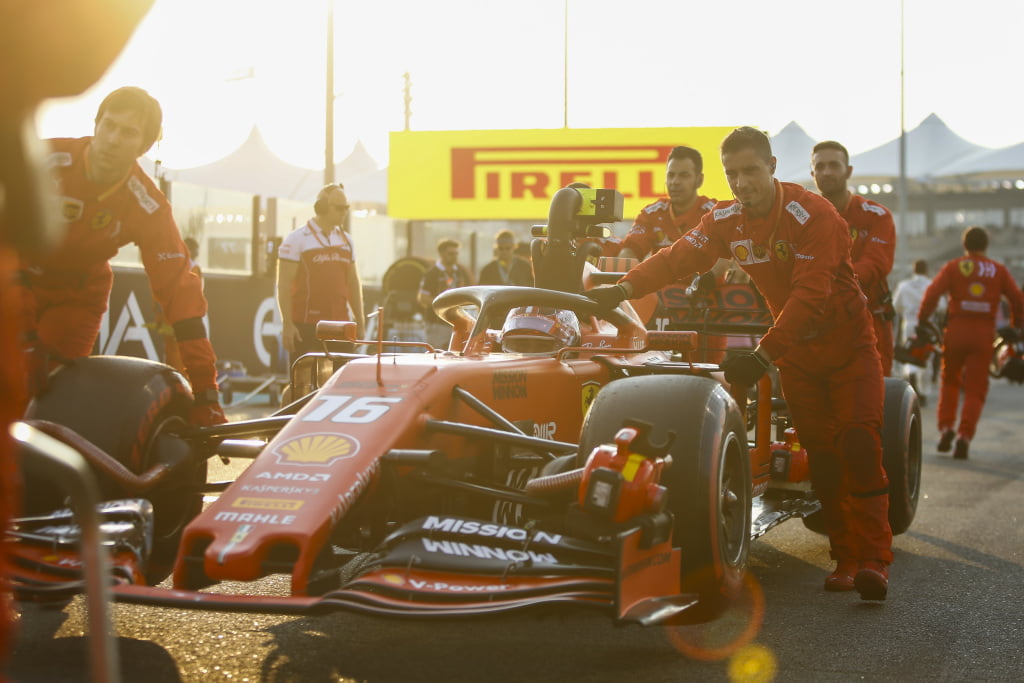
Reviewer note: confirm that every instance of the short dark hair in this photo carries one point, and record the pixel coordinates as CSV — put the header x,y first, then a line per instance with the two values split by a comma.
x,y
747,137
920,267
683,152
831,144
130,98
506,235
446,243
975,238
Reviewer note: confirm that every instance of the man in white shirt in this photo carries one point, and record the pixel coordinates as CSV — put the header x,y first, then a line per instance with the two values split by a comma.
x,y
906,300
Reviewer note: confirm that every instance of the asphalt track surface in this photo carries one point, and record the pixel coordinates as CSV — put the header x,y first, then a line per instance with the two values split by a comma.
x,y
954,612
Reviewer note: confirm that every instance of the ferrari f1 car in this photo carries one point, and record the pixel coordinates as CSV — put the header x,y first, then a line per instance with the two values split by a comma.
x,y
607,471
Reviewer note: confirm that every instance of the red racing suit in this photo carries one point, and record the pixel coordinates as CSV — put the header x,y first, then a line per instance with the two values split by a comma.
x,y
657,226
66,291
974,285
874,248
822,341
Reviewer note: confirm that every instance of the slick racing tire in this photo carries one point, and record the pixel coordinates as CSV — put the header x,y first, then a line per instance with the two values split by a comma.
x,y
901,456
901,452
132,409
709,486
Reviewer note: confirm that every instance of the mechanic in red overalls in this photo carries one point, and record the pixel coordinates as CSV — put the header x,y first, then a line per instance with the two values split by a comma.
x,y
975,285
796,249
317,276
108,201
661,223
874,238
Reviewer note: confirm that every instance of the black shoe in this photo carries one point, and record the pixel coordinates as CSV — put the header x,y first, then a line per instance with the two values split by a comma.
x,y
961,449
946,442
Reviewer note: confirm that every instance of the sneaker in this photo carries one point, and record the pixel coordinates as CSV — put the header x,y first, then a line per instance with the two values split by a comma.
x,y
841,580
961,449
946,442
872,580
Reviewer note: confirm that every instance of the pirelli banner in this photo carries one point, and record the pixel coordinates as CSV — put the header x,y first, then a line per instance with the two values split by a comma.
x,y
512,174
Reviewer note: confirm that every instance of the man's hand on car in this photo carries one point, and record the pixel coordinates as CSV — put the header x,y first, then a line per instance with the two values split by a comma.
x,y
745,368
607,298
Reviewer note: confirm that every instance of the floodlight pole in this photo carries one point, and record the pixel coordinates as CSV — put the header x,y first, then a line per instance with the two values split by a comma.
x,y
902,193
329,122
565,68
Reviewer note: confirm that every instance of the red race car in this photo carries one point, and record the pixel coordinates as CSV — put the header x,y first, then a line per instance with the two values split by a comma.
x,y
555,454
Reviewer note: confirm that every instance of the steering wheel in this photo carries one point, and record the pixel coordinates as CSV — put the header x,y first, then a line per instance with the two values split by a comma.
x,y
496,301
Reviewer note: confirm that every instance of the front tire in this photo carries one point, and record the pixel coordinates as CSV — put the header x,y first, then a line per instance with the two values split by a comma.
x,y
709,487
134,410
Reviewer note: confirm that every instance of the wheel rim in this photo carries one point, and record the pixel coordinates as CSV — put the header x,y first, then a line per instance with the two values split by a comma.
x,y
734,502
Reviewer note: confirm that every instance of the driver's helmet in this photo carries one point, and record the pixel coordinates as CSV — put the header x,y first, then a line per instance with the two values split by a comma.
x,y
539,331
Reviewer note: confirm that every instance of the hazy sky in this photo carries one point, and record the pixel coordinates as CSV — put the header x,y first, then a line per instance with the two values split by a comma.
x,y
221,66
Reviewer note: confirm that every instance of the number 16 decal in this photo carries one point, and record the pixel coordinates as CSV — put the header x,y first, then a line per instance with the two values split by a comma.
x,y
360,411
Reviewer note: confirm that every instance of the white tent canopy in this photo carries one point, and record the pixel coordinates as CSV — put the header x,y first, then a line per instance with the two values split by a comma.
x,y
930,146
255,169
792,148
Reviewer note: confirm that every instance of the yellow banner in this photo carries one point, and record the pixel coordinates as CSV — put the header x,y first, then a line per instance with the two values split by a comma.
x,y
512,174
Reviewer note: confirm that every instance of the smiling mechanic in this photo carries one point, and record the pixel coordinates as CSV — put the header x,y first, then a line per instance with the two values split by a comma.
x,y
107,201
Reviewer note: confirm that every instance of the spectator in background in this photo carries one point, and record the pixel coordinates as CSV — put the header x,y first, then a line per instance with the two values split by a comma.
x,y
906,301
874,238
975,285
445,274
107,201
317,276
506,268
172,354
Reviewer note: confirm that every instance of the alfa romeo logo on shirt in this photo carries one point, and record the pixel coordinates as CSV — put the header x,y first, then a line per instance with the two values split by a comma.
x,y
966,268
101,219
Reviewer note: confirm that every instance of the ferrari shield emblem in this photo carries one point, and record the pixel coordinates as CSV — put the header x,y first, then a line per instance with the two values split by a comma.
x,y
853,234
966,267
782,251
588,394
100,219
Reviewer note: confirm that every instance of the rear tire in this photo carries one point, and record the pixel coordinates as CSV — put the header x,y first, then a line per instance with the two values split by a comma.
x,y
132,409
709,480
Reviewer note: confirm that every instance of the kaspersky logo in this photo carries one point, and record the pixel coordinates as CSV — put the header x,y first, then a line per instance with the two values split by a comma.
x,y
637,171
316,449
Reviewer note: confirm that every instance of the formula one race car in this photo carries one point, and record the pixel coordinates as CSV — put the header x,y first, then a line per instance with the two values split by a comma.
x,y
555,454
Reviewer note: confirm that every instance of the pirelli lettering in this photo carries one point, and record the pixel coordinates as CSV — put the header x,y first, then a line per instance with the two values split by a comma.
x,y
513,174
538,172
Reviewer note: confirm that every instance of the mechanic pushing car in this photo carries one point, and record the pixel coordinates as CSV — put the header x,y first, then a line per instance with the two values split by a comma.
x,y
796,249
108,201
975,285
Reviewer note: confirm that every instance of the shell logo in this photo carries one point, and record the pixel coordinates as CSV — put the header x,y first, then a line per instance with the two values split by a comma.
x,y
316,449
741,252
976,289
394,579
